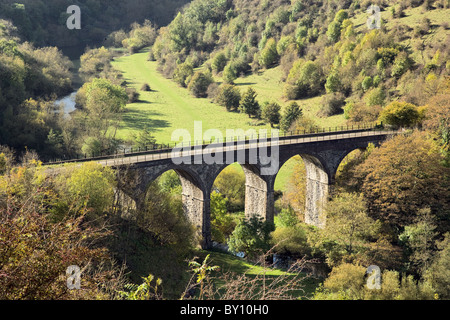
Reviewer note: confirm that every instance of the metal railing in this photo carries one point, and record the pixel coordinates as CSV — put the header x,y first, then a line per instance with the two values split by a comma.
x,y
165,151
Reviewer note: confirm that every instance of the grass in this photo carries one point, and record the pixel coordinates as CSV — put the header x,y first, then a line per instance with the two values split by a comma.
x,y
168,106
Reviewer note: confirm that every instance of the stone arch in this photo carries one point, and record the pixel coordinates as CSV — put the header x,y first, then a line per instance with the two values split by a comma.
x,y
317,186
259,194
194,197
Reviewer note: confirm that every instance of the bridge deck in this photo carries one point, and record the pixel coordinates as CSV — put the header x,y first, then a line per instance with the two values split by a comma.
x,y
186,151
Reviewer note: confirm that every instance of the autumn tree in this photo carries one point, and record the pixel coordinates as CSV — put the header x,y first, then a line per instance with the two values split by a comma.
x,y
400,114
402,176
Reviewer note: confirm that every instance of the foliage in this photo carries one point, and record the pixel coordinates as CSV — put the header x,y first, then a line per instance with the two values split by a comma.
x,y
400,114
228,96
201,270
89,185
231,184
199,84
182,73
249,105
271,113
438,272
291,241
219,62
222,224
163,217
402,175
347,282
36,250
251,236
419,240
144,291
306,79
269,55
332,104
348,223
291,114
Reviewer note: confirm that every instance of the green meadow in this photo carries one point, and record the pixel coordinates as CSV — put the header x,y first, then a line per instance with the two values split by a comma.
x,y
169,107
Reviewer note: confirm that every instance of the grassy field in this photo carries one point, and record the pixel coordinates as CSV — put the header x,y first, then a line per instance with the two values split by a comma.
x,y
169,107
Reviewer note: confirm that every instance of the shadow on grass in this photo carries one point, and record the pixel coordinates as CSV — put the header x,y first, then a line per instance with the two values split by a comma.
x,y
139,120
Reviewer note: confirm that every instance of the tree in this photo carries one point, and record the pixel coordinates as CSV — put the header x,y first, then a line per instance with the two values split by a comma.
x,y
219,62
400,114
438,274
91,185
419,240
144,139
367,83
291,114
375,97
271,113
306,79
251,236
403,175
269,55
222,224
229,73
182,73
333,83
249,105
348,223
228,96
231,184
199,84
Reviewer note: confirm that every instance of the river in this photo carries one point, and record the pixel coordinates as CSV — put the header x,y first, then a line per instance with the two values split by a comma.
x,y
73,53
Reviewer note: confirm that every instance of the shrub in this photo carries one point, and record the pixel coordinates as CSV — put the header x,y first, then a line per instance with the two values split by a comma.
x,y
331,104
292,113
249,105
228,96
199,84
400,114
182,73
271,113
251,236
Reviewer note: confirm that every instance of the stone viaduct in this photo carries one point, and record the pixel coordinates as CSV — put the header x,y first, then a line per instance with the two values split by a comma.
x,y
322,153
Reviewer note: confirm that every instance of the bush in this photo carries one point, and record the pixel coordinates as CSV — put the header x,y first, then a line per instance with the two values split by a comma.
x,y
271,113
251,236
228,96
249,105
400,114
146,87
199,84
182,73
219,62
331,104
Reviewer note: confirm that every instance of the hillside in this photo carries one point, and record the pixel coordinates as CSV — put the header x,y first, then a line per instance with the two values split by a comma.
x,y
299,50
